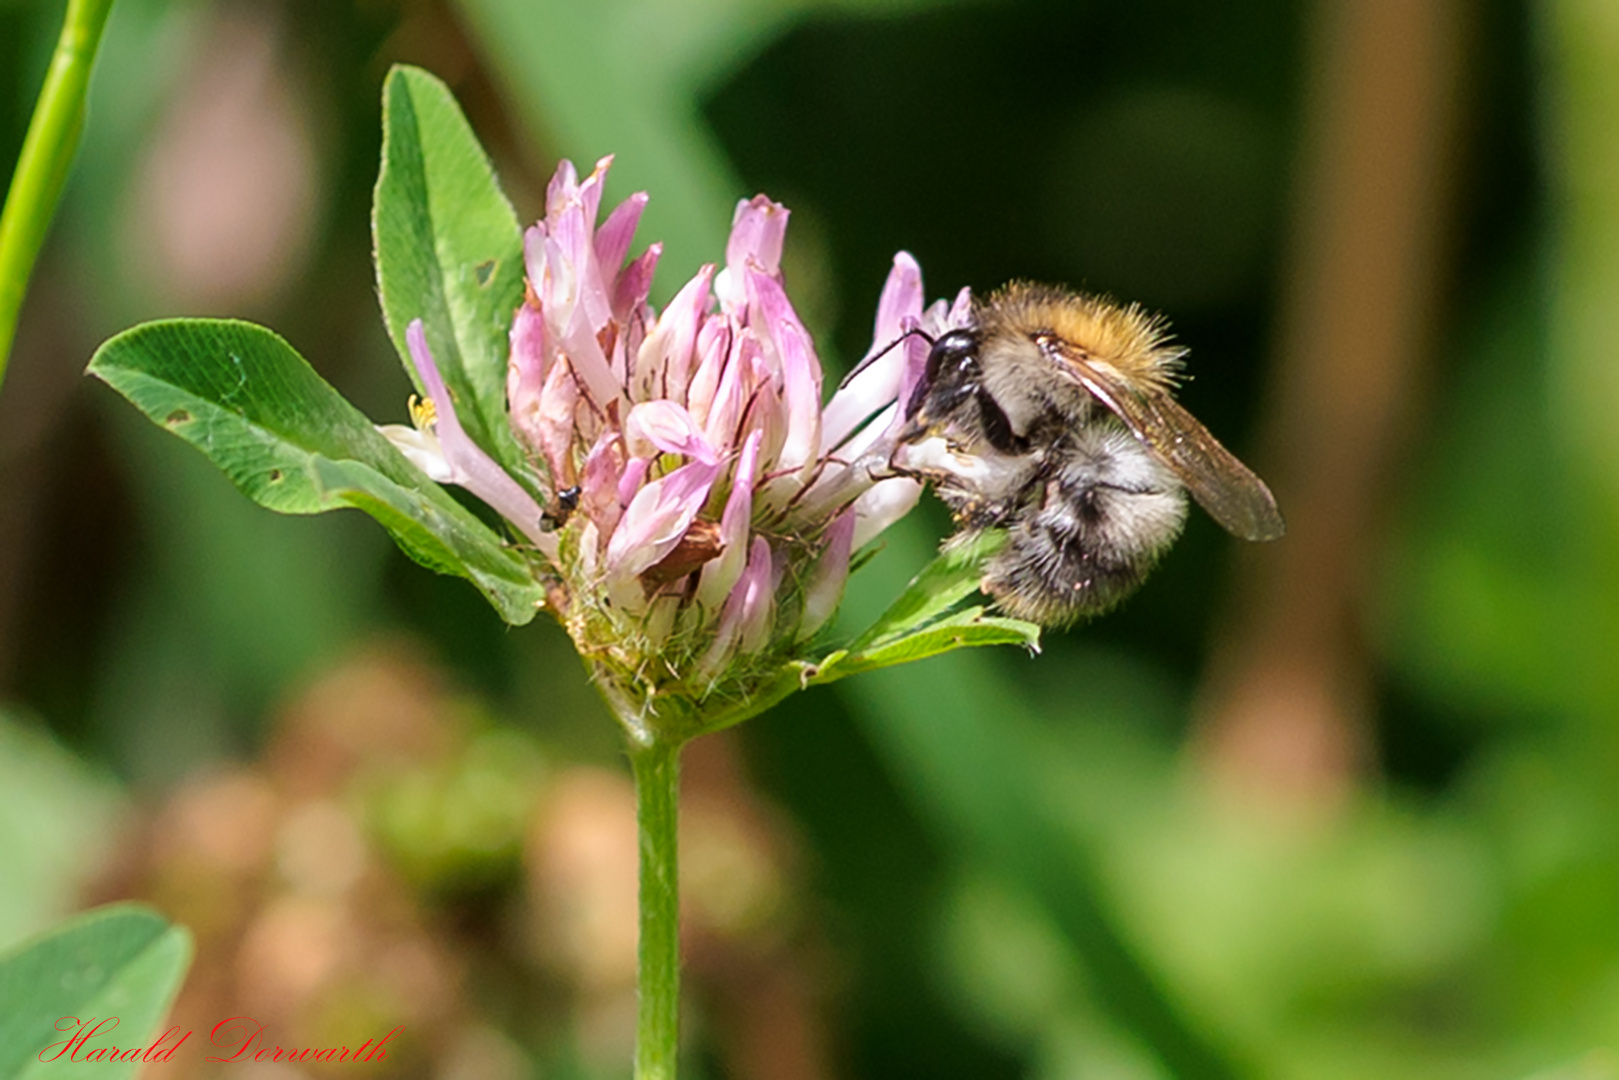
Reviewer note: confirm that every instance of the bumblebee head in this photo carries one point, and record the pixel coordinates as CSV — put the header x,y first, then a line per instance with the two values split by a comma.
x,y
950,380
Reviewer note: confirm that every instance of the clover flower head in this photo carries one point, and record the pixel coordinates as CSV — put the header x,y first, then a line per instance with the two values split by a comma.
x,y
693,501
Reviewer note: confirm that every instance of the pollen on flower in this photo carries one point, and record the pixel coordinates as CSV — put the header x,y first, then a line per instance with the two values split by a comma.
x,y
423,413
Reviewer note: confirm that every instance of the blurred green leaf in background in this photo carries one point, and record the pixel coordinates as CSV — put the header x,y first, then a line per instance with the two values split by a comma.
x,y
119,966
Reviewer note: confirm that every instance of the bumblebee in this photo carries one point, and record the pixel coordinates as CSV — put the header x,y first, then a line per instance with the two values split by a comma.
x,y
1053,417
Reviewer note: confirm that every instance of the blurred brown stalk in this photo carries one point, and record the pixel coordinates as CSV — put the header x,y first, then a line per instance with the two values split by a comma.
x,y
1286,706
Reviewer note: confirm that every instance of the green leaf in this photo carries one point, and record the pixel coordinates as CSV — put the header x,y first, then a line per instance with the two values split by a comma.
x,y
123,961
962,629
449,251
242,396
945,582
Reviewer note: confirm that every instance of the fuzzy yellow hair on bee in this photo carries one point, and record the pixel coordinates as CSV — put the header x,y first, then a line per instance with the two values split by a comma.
x,y
1128,338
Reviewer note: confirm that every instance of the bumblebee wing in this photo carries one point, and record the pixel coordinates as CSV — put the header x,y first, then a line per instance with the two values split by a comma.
x,y
1221,484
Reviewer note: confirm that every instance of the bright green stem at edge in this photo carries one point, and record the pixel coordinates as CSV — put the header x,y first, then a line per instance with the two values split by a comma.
x,y
657,812
47,151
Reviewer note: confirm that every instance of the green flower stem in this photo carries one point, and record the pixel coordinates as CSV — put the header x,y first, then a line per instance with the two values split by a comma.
x,y
47,151
657,801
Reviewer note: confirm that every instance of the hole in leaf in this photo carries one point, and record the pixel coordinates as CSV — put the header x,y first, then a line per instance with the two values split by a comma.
x,y
276,476
486,273
176,418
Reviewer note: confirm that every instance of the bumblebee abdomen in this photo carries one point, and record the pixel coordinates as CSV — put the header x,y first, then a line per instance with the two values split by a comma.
x,y
1047,581
1106,517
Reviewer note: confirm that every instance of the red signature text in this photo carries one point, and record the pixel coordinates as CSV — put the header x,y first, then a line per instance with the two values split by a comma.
x,y
239,1039
76,1047
245,1035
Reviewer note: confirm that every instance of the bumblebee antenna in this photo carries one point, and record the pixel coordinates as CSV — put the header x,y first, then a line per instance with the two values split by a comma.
x,y
915,331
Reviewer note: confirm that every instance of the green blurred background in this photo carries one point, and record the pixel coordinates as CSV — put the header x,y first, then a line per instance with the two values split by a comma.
x,y
1342,806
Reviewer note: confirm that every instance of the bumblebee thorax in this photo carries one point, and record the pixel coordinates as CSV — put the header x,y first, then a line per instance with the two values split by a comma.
x,y
1127,338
